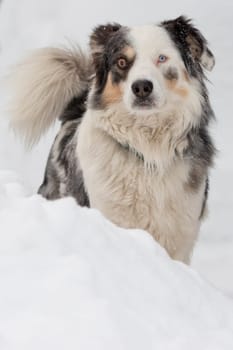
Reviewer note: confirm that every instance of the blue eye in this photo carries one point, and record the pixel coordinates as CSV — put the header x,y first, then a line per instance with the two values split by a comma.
x,y
162,58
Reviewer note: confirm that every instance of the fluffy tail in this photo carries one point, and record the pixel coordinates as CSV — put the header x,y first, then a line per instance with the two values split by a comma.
x,y
42,86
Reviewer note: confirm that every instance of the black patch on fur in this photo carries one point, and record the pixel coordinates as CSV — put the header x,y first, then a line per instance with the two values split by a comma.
x,y
98,41
205,197
102,34
189,41
107,43
76,108
63,176
200,152
200,147
50,188
196,174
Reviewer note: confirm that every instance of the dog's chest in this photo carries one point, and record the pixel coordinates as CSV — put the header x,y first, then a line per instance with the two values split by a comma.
x,y
119,185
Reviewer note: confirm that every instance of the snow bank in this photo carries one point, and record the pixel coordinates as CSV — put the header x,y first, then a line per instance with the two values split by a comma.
x,y
72,280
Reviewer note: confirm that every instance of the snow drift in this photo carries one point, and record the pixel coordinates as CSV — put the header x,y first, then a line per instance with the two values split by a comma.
x,y
72,280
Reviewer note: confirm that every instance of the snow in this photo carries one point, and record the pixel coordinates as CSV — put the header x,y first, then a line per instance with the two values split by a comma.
x,y
69,278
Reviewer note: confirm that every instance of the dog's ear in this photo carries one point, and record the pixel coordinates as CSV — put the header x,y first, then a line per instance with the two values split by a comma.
x,y
101,35
187,37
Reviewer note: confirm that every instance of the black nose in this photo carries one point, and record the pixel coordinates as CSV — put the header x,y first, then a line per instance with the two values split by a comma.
x,y
142,88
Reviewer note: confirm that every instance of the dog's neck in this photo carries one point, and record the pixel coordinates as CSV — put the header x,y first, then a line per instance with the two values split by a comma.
x,y
157,147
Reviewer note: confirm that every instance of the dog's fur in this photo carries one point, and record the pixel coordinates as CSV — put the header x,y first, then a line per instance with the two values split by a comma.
x,y
142,158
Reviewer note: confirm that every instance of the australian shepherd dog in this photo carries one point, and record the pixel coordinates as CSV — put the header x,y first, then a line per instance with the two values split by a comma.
x,y
135,113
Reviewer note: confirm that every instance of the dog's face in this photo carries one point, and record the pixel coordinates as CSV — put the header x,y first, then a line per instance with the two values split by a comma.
x,y
156,74
149,69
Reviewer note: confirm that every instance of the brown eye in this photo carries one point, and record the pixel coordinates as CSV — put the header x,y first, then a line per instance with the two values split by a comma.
x,y
122,63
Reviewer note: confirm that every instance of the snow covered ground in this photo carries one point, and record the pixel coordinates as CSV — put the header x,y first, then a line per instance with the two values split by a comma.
x,y
72,280
68,278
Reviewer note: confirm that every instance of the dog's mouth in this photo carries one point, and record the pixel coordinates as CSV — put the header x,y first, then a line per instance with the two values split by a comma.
x,y
145,104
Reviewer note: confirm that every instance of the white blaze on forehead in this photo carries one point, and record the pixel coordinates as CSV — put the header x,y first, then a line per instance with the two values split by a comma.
x,y
150,40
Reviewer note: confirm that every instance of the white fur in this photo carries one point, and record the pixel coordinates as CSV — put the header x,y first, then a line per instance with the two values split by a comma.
x,y
42,85
133,196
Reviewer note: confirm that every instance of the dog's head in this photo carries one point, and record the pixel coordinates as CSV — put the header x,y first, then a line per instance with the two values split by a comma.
x,y
149,69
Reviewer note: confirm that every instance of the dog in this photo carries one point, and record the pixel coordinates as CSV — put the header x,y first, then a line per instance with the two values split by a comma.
x,y
134,140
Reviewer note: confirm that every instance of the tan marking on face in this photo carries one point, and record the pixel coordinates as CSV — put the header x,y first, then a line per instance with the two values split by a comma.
x,y
112,92
129,52
172,85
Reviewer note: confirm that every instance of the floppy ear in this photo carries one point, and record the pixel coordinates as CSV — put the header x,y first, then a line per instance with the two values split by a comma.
x,y
101,36
186,36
